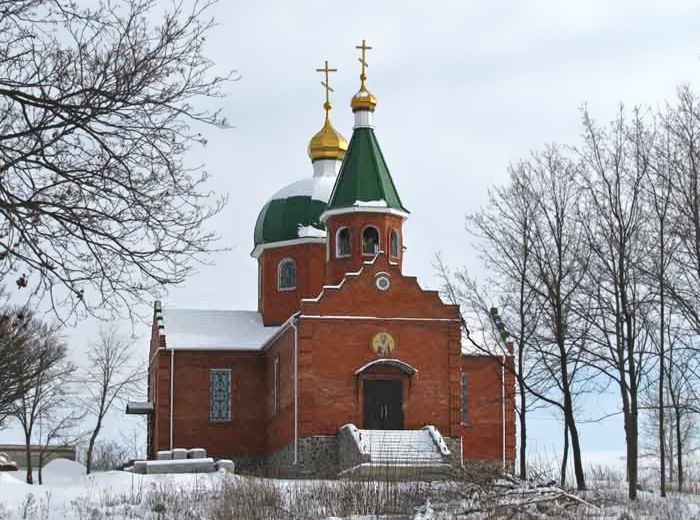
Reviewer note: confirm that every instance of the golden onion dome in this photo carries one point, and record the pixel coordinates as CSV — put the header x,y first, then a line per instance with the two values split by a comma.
x,y
363,100
328,143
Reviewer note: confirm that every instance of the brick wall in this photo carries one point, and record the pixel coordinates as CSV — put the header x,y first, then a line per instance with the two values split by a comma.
x,y
244,435
276,306
337,267
483,433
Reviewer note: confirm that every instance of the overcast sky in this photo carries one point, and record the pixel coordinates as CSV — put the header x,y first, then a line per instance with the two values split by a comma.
x,y
463,87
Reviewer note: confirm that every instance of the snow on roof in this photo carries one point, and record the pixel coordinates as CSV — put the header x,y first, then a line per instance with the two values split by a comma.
x,y
310,231
318,188
211,329
371,203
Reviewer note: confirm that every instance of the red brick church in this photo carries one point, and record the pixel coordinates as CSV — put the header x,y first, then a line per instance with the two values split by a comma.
x,y
344,349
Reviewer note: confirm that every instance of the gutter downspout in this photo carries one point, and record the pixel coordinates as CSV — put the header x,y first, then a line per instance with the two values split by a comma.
x,y
503,410
172,394
296,390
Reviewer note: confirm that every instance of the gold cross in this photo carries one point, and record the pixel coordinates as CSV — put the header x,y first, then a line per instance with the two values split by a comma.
x,y
327,85
364,48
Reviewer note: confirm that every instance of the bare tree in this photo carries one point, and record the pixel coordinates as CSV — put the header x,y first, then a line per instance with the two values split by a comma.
x,y
617,231
531,245
503,230
48,388
98,208
59,426
111,377
560,257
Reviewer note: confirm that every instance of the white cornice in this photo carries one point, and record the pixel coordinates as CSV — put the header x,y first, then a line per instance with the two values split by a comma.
x,y
362,209
258,250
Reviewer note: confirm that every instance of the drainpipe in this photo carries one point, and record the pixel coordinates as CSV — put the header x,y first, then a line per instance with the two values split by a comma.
x,y
172,394
296,391
503,410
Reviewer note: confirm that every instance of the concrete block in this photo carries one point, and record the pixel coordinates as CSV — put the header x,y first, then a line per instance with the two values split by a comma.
x,y
180,466
139,467
179,454
226,465
197,453
164,455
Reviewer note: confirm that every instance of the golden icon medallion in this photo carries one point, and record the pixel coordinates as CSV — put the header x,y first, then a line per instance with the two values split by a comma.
x,y
383,344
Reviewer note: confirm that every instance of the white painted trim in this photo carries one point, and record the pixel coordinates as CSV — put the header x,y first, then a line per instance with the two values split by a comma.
x,y
362,209
326,167
396,363
337,232
345,276
362,240
258,250
398,243
376,318
363,119
503,410
296,391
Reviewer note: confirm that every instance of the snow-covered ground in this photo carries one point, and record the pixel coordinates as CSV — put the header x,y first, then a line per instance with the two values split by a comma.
x,y
69,494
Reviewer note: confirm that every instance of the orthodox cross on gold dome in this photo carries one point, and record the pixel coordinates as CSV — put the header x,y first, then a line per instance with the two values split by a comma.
x,y
363,48
326,83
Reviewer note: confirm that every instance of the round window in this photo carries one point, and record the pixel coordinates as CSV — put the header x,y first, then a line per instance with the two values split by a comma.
x,y
383,283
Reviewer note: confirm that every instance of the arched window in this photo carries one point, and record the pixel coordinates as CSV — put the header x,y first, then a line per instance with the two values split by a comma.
x,y
342,242
287,275
370,241
394,243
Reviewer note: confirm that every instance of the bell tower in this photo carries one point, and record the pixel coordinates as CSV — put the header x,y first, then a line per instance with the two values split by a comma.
x,y
364,214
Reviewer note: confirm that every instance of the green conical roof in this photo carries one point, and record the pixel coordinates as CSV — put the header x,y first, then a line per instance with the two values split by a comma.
x,y
364,176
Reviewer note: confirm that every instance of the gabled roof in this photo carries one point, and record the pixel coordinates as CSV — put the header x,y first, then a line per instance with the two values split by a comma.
x,y
364,179
190,329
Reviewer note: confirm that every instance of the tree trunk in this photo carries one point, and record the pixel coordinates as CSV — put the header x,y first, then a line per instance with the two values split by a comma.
x,y
662,359
565,457
28,455
633,450
523,435
662,410
91,446
571,422
41,466
679,450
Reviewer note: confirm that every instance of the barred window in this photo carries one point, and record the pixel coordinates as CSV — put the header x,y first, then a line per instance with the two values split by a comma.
x,y
276,387
465,399
220,394
287,275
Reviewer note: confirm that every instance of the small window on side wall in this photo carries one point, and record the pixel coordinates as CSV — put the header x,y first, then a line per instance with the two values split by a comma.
x,y
287,275
394,243
370,241
342,242
464,411
220,395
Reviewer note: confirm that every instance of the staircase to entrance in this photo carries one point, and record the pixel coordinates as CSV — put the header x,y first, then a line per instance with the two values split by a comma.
x,y
402,453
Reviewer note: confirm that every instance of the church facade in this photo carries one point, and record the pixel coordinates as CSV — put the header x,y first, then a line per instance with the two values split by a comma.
x,y
342,338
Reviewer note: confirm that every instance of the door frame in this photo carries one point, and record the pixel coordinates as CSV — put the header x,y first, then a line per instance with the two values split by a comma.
x,y
403,395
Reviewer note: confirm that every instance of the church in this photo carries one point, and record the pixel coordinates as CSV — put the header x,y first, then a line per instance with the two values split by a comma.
x,y
347,362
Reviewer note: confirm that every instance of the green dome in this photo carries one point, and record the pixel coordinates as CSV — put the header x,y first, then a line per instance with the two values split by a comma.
x,y
294,212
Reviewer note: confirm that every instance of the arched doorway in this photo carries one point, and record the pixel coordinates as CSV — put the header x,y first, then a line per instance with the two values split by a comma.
x,y
383,389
